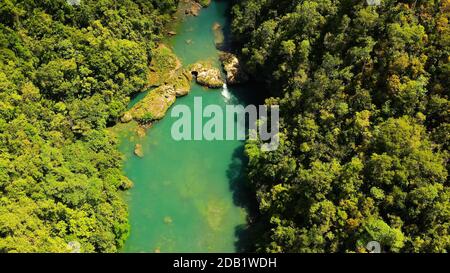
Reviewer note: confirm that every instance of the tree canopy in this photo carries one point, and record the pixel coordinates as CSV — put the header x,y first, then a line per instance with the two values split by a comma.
x,y
363,94
66,73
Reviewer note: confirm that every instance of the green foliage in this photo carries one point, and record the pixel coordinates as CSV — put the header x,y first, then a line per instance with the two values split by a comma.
x,y
164,66
363,95
66,72
204,3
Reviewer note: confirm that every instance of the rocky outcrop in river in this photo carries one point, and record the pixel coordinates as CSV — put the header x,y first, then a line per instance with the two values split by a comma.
x,y
182,83
193,7
233,68
138,151
154,106
219,36
207,75
169,80
164,66
166,69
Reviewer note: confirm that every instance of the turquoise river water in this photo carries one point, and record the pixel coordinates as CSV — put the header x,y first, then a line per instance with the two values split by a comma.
x,y
184,197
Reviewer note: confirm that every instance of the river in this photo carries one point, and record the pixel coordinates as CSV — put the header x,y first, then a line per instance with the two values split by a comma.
x,y
186,194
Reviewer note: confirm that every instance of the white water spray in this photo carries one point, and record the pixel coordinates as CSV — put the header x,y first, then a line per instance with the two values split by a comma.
x,y
225,93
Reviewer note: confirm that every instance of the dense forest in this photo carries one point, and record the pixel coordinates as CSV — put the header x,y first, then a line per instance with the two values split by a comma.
x,y
365,120
67,70
363,94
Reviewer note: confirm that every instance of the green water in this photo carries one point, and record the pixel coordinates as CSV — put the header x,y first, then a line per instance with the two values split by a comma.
x,y
184,197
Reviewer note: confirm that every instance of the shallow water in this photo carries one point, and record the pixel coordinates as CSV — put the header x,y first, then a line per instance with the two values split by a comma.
x,y
184,197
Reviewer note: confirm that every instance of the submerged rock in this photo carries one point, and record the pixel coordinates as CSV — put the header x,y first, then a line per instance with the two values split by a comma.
x,y
140,131
168,220
233,69
138,151
207,75
219,36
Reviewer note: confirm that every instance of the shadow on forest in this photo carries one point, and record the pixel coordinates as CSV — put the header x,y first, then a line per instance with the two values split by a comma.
x,y
244,196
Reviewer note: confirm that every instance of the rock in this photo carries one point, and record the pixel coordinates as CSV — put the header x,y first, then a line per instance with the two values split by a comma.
x,y
181,92
219,36
127,117
126,184
193,9
170,79
210,78
155,105
206,3
166,69
207,75
183,84
217,26
138,150
140,131
164,66
233,69
168,220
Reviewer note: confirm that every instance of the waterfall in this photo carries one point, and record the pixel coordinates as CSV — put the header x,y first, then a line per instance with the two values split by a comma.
x,y
225,93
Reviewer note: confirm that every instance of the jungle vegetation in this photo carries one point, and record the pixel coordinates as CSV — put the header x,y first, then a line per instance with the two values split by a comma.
x,y
67,71
363,93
